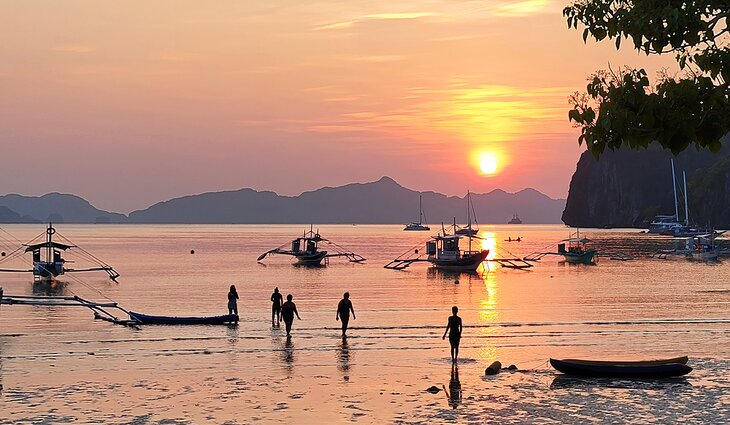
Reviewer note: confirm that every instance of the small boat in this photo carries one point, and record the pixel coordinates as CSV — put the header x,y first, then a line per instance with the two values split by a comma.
x,y
696,248
418,226
48,261
307,253
623,369
574,249
145,319
515,220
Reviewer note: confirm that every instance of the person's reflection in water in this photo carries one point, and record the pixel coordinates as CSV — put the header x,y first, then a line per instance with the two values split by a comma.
x,y
288,355
343,359
454,391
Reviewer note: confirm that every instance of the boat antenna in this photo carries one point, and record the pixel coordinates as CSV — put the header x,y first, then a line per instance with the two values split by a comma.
x,y
674,185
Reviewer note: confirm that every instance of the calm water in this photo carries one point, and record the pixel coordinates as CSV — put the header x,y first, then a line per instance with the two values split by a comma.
x,y
59,365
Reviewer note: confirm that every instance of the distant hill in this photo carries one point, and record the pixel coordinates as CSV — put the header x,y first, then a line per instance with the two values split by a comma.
x,y
383,201
54,207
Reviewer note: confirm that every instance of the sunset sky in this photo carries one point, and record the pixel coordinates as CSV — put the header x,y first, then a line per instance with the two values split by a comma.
x,y
127,103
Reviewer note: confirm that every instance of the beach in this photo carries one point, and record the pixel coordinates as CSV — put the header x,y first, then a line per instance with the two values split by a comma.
x,y
59,365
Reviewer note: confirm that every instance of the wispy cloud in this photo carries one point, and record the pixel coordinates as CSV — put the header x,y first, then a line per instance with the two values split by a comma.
x,y
376,17
523,8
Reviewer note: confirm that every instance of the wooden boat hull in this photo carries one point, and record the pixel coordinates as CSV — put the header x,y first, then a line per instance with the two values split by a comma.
x,y
467,263
585,257
315,259
146,319
607,369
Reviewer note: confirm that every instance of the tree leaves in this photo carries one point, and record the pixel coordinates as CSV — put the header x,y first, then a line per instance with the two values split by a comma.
x,y
623,108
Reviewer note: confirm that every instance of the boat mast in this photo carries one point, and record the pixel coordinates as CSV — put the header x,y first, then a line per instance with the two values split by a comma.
x,y
420,209
674,185
686,207
468,211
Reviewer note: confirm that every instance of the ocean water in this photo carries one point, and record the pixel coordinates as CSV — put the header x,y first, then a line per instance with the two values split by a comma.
x,y
59,365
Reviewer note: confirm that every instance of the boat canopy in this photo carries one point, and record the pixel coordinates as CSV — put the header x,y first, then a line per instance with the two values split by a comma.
x,y
47,245
576,240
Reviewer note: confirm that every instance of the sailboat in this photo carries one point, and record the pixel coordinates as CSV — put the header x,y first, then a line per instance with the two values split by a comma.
x,y
679,230
664,223
469,229
419,225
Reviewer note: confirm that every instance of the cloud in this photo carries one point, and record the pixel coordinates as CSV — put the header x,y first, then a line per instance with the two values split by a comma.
x,y
522,8
376,17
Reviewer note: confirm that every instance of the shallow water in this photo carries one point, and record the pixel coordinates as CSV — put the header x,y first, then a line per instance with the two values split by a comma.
x,y
59,365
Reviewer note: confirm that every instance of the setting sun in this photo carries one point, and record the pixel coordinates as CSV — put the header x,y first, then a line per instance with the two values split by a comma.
x,y
488,163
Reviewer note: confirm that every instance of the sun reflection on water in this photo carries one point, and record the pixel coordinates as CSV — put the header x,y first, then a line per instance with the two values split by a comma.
x,y
488,310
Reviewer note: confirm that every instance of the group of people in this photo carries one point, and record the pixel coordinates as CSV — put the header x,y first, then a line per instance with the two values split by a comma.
x,y
286,311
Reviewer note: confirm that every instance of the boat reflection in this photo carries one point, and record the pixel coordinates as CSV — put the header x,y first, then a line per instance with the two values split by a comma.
x,y
454,391
344,357
49,287
571,382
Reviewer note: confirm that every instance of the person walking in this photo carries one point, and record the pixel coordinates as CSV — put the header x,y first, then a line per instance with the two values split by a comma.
x,y
233,301
343,312
288,310
276,300
453,328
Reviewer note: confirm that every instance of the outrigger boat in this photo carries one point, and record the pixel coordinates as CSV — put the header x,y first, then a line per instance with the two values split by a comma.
x,y
444,253
106,311
48,262
418,226
696,248
306,250
574,249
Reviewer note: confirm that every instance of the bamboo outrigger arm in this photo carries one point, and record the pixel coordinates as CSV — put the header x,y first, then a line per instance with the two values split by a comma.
x,y
100,309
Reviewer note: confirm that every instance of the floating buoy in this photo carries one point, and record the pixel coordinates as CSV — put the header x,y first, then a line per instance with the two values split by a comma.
x,y
456,282
433,389
3,253
493,368
512,367
192,251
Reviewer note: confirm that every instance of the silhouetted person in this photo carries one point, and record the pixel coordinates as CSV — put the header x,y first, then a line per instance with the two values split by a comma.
x,y
276,300
343,312
288,310
453,328
233,301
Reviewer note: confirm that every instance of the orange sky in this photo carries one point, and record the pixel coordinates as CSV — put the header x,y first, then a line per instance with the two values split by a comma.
x,y
130,102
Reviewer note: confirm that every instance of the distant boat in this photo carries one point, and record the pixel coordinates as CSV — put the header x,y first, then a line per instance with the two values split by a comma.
x,y
307,253
419,225
575,249
515,220
696,248
469,229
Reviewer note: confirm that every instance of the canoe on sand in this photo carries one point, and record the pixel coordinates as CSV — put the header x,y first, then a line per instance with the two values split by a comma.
x,y
624,369
172,320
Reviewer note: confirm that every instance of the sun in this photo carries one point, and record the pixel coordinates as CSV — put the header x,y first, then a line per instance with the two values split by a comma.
x,y
488,163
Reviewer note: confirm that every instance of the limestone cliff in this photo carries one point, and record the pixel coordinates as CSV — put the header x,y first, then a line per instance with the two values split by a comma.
x,y
628,188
